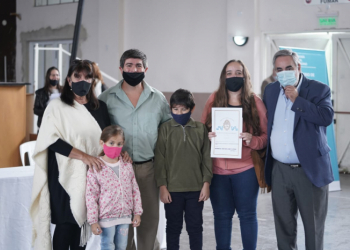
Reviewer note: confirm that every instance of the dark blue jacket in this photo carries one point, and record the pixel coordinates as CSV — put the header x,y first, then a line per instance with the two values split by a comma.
x,y
313,113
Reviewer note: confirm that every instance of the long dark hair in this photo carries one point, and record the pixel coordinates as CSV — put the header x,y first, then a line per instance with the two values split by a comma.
x,y
47,86
67,95
250,112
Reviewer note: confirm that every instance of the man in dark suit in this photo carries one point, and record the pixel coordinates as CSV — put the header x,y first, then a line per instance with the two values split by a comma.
x,y
298,166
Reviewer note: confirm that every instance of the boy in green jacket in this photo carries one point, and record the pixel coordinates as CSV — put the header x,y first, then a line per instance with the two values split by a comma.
x,y
183,171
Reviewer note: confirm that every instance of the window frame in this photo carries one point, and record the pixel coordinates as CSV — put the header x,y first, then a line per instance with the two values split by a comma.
x,y
47,3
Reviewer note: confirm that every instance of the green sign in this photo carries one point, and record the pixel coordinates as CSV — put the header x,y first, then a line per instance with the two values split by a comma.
x,y
327,21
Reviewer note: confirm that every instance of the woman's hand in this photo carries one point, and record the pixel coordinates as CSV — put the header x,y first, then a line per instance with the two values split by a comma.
x,y
96,229
211,135
246,137
205,192
165,196
92,162
136,221
126,157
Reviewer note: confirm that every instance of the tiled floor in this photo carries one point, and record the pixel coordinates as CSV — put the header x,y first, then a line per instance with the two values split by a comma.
x,y
337,232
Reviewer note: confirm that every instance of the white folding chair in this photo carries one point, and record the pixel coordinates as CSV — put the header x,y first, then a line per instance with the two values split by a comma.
x,y
27,147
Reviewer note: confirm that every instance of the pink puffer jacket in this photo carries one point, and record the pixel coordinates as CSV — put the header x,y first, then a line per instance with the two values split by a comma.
x,y
108,196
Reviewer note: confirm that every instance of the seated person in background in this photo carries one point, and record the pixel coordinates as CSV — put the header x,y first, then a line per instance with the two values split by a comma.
x,y
50,91
183,170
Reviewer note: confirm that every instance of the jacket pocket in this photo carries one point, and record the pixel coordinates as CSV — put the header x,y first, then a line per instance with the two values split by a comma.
x,y
324,149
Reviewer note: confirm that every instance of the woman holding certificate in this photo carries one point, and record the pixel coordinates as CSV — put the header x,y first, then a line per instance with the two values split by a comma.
x,y
234,185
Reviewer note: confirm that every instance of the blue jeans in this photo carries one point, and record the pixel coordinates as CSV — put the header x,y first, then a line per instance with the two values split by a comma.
x,y
230,193
115,238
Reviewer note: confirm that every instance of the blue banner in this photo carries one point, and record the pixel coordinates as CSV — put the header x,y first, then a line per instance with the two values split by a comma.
x,y
314,66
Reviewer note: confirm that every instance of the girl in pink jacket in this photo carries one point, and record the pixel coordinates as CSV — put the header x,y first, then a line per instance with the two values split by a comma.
x,y
112,194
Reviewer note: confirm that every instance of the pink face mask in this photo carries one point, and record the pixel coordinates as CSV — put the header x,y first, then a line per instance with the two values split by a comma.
x,y
112,152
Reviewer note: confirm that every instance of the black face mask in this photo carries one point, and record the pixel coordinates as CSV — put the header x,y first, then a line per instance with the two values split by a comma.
x,y
53,82
81,88
234,83
133,79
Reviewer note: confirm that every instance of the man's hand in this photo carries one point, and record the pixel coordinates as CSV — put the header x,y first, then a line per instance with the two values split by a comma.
x,y
165,196
136,221
96,229
205,192
291,93
126,157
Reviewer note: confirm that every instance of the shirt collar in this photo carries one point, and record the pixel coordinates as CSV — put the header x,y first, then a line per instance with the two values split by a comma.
x,y
117,89
300,81
190,123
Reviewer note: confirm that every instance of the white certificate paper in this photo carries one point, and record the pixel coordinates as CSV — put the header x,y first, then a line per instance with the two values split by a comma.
x,y
227,123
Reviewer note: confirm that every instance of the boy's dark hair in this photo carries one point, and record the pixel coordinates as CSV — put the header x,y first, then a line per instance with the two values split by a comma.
x,y
133,53
182,97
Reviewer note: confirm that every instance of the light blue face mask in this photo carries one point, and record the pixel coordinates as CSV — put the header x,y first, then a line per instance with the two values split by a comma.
x,y
287,78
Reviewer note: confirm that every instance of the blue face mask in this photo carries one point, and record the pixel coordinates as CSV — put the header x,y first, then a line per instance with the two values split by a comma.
x,y
182,119
287,78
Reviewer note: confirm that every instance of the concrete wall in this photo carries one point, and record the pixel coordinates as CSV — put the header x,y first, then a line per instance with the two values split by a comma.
x,y
187,42
99,36
40,24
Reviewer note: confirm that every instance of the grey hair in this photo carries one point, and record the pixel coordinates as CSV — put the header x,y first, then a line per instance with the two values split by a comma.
x,y
286,52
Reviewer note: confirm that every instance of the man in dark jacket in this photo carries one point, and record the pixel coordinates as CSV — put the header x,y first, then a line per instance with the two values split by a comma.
x,y
298,165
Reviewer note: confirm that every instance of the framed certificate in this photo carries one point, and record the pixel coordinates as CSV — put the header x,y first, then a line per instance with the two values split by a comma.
x,y
227,123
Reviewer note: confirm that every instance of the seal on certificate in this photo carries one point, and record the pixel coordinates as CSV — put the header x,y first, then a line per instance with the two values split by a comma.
x,y
227,125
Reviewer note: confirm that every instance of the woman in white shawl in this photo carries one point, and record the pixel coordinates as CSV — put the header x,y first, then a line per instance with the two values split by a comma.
x,y
68,142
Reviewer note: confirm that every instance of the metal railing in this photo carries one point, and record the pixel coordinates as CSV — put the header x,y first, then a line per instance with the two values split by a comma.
x,y
60,61
60,54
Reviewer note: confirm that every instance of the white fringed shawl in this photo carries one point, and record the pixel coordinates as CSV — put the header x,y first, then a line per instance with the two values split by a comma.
x,y
78,127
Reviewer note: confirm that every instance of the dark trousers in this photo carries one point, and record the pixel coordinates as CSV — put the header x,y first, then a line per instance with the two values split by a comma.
x,y
230,194
147,231
293,191
184,202
67,237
